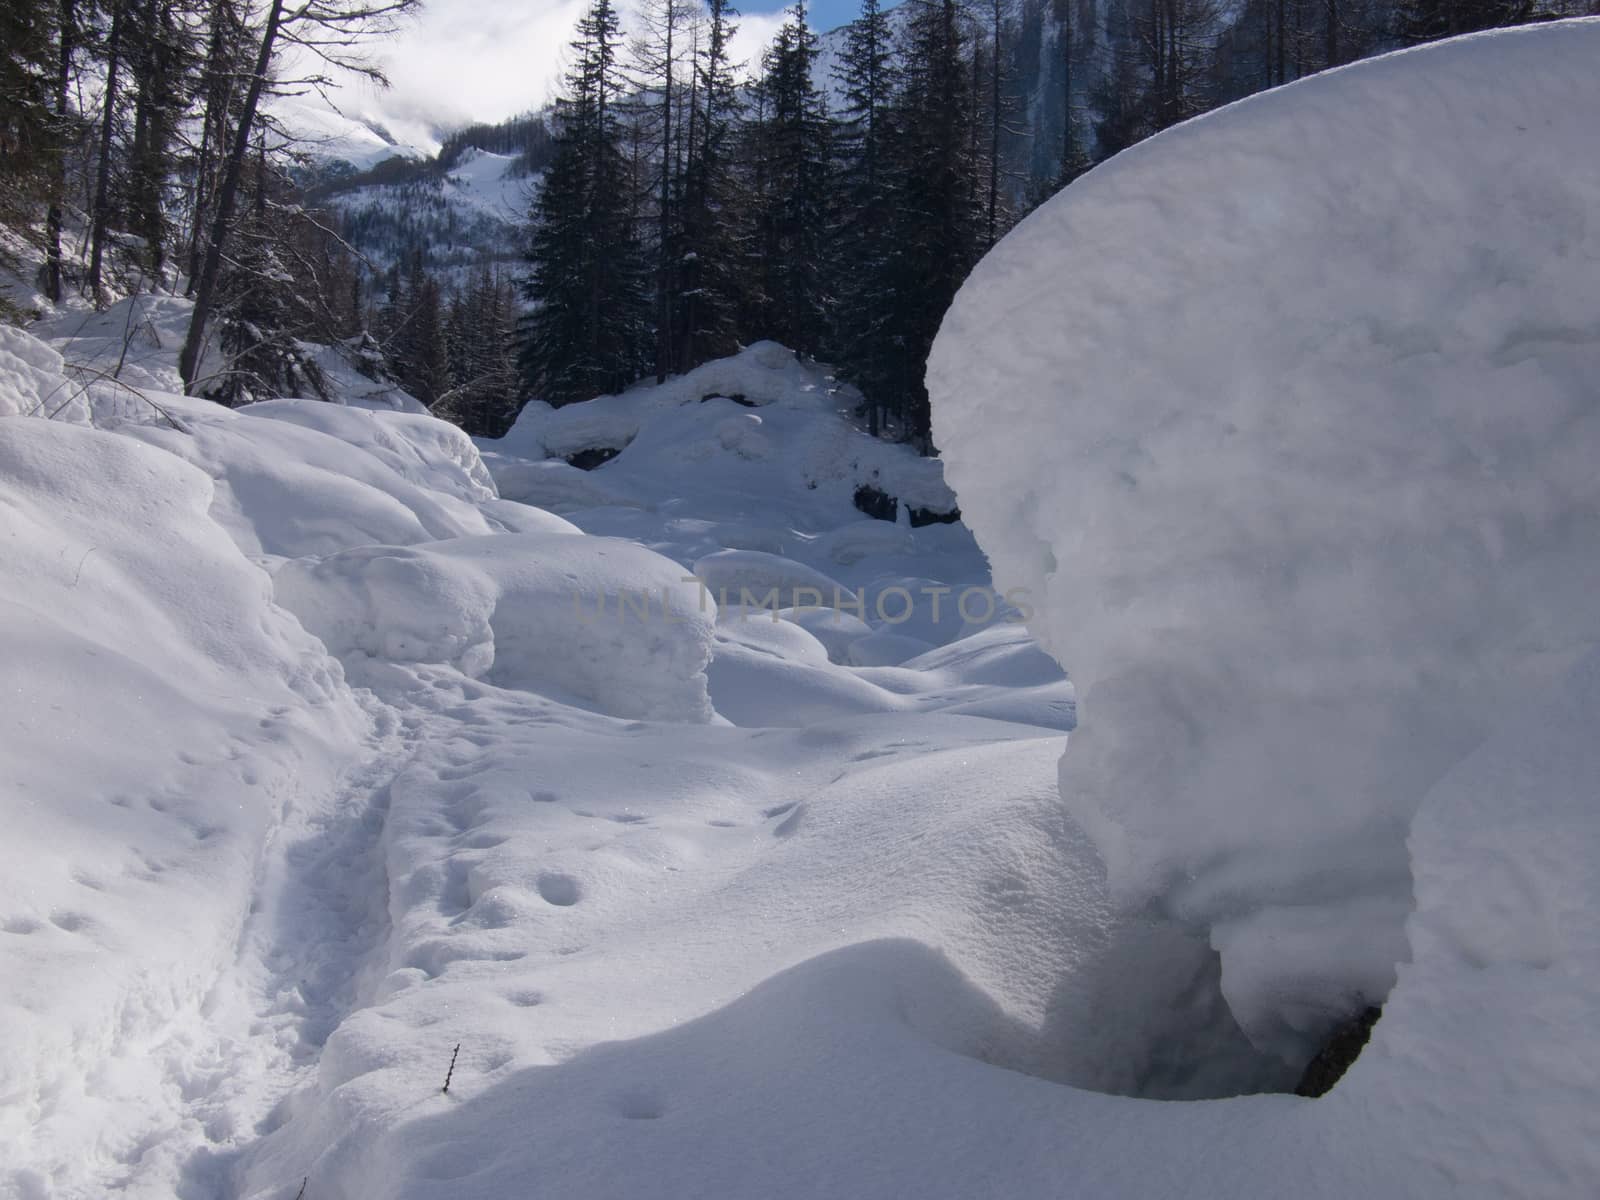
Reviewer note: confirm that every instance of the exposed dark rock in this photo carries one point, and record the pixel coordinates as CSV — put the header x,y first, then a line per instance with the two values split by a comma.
x,y
1343,1047
876,504
589,459
927,516
736,397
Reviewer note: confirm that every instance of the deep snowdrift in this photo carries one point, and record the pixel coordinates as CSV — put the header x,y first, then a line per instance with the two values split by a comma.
x,y
1288,420
836,936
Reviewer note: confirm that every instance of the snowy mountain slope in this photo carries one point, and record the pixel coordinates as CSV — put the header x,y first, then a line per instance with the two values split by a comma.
x,y
326,134
1299,583
456,218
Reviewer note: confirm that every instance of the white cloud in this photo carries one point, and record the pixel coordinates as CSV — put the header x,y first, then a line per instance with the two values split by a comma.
x,y
486,60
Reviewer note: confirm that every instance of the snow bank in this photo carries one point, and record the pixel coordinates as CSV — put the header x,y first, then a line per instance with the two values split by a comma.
x,y
604,621
1496,1013
159,714
1287,420
425,450
297,477
761,432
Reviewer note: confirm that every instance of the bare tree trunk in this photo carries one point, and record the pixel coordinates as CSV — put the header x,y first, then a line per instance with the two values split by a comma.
x,y
54,219
664,232
1281,61
994,130
211,267
213,131
1331,46
1067,151
102,185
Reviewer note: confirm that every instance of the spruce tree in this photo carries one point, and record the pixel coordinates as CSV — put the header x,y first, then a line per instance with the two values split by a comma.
x,y
791,143
29,143
588,332
658,55
160,67
867,78
712,236
936,227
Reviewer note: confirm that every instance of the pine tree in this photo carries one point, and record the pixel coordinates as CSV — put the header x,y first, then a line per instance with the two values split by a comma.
x,y
589,331
100,213
288,288
867,77
1427,20
936,227
160,70
29,129
481,329
791,145
658,55
712,237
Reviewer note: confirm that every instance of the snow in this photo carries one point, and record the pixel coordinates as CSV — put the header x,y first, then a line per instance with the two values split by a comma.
x,y
711,432
1300,483
608,622
317,780
390,723
327,479
160,714
31,382
326,133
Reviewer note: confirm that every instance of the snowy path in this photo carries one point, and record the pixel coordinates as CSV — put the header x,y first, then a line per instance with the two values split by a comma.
x,y
318,927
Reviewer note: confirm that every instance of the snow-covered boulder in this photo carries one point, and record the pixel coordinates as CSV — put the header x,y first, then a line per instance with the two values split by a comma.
x,y
606,622
1287,420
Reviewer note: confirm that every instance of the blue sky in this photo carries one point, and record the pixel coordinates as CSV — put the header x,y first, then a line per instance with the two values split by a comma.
x,y
485,60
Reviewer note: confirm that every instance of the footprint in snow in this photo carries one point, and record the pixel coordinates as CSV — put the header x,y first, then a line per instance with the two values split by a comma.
x,y
639,1105
560,890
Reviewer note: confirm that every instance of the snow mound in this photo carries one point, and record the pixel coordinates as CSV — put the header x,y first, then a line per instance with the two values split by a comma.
x,y
603,621
753,579
1297,466
298,477
1489,1032
555,485
758,433
31,380
425,450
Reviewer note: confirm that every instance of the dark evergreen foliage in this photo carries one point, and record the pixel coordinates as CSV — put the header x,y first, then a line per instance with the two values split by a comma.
x,y
790,153
588,331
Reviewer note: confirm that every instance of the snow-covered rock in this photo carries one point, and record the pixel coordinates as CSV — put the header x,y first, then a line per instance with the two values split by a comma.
x,y
1287,421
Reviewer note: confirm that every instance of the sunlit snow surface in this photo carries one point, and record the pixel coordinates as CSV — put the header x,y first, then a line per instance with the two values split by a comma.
x,y
333,742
